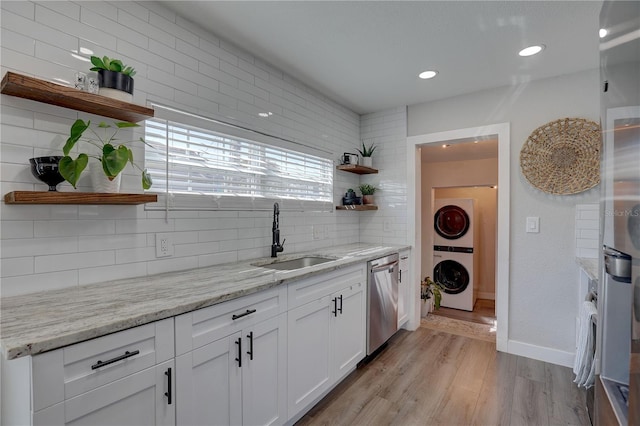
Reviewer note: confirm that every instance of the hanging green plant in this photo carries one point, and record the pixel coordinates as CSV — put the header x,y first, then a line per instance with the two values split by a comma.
x,y
114,156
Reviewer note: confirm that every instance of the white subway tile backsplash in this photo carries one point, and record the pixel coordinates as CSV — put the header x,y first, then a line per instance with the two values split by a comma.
x,y
101,7
23,284
73,27
80,260
132,8
21,247
19,42
16,229
22,8
16,266
134,34
108,273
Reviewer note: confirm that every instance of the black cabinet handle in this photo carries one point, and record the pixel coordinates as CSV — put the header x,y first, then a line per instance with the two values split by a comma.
x,y
340,308
125,355
239,359
335,307
250,351
400,279
168,392
244,314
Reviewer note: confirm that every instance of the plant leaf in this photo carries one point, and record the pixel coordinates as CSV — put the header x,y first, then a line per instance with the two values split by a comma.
x,y
104,125
71,169
99,65
146,179
114,160
115,65
107,62
77,128
125,124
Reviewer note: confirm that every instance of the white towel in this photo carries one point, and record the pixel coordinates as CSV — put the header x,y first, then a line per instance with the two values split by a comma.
x,y
583,366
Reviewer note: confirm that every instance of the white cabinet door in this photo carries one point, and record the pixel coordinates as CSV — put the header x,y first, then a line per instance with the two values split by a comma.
x,y
264,373
348,329
139,399
404,289
309,342
208,386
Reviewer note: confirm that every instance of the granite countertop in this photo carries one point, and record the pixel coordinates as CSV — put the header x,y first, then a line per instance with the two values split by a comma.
x,y
48,320
589,266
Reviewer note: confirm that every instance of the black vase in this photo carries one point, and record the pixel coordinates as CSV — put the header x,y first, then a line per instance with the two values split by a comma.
x,y
115,80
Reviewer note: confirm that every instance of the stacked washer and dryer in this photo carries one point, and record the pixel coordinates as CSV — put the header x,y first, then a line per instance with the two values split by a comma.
x,y
454,258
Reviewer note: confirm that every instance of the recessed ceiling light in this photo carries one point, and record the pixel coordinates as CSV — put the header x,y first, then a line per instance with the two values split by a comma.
x,y
531,50
445,145
475,141
603,33
425,75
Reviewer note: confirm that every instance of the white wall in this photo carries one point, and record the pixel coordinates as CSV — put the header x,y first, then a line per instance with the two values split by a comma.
x,y
178,64
542,287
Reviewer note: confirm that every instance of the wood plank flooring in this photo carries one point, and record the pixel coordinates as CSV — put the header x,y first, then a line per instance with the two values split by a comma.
x,y
484,312
430,377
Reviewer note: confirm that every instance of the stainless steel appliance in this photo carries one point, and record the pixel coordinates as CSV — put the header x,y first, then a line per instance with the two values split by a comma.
x,y
619,353
382,301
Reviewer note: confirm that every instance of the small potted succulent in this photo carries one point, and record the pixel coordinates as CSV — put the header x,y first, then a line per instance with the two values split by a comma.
x,y
367,191
366,154
114,78
431,294
113,158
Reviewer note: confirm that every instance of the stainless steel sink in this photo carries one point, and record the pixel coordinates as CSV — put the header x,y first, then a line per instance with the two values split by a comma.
x,y
291,264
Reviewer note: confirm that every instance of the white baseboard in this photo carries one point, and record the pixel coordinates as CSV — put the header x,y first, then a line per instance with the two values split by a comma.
x,y
541,353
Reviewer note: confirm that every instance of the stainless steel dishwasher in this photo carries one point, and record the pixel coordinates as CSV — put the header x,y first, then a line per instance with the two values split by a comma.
x,y
382,301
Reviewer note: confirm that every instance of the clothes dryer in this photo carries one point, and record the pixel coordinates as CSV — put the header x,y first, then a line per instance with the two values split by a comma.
x,y
453,222
455,269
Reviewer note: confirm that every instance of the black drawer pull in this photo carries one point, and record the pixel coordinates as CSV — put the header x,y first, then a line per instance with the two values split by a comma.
x,y
125,355
244,314
250,351
340,308
168,392
239,359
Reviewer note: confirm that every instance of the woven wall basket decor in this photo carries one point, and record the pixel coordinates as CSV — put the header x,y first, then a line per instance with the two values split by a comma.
x,y
563,156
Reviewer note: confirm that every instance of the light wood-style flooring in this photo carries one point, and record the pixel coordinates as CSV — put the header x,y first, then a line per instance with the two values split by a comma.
x,y
484,312
430,377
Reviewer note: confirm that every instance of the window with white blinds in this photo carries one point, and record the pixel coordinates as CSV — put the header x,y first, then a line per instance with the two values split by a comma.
x,y
200,168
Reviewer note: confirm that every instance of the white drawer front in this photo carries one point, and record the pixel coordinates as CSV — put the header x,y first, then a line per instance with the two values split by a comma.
x,y
307,290
70,371
198,328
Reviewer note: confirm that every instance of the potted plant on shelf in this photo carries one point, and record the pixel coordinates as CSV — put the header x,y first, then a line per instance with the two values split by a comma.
x,y
112,159
366,154
115,80
431,295
367,192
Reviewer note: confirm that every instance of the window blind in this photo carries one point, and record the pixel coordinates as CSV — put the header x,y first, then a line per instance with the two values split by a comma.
x,y
200,168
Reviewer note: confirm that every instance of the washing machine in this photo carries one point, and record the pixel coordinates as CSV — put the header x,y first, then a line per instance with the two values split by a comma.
x,y
453,222
455,268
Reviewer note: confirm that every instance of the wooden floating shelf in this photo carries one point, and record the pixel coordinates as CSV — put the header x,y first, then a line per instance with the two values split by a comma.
x,y
54,197
358,207
357,169
35,89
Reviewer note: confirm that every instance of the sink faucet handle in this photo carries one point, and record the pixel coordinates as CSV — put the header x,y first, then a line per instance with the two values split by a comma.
x,y
282,245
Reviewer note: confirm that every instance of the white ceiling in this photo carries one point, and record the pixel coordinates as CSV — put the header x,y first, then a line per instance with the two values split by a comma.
x,y
366,54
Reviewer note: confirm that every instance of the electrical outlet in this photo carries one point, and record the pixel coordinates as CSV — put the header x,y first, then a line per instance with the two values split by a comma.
x,y
164,245
317,232
386,225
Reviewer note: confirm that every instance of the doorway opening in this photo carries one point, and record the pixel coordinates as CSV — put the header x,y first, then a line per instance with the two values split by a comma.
x,y
476,247
422,196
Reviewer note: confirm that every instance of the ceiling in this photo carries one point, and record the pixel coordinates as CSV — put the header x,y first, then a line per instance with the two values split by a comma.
x,y
366,55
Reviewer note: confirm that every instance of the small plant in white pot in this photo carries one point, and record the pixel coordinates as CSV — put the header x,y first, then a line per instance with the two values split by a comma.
x,y
367,191
366,154
115,80
112,158
431,294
